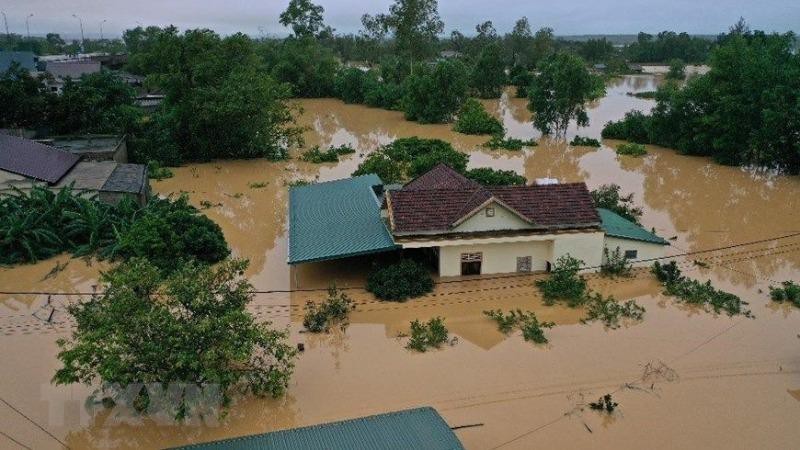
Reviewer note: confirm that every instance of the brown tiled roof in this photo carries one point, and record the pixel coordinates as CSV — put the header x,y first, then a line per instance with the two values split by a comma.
x,y
34,160
437,200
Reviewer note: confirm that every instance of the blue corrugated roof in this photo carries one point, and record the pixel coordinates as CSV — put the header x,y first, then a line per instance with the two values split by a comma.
x,y
336,219
26,60
420,428
620,227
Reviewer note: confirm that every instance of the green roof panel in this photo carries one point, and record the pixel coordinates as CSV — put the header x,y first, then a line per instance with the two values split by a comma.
x,y
419,428
336,219
620,227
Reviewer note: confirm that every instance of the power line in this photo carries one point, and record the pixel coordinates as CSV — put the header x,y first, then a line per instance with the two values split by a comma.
x,y
34,422
498,277
15,441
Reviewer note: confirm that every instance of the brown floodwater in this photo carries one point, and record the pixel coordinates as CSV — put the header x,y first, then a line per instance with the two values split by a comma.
x,y
682,377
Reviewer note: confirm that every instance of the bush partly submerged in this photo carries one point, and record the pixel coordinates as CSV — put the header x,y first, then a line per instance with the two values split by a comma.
x,y
788,291
582,141
400,281
499,141
474,119
428,335
526,321
631,149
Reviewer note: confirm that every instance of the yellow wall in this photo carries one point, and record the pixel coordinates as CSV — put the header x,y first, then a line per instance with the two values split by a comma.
x,y
500,254
503,220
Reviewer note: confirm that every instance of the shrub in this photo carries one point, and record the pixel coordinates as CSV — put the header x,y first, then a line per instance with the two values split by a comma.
x,y
427,335
677,70
317,156
789,291
634,127
615,264
667,273
400,281
564,283
427,161
610,311
527,322
631,149
384,95
167,231
696,293
498,141
474,119
156,172
607,196
320,317
605,403
350,85
580,141
495,177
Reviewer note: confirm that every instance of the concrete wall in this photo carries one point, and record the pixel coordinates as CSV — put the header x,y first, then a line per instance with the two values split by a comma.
x,y
587,247
645,250
498,257
503,220
9,180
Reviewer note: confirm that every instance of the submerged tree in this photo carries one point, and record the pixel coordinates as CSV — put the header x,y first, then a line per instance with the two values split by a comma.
x,y
190,330
560,91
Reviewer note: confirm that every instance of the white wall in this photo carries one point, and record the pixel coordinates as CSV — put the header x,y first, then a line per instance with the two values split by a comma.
x,y
587,247
646,250
503,220
500,257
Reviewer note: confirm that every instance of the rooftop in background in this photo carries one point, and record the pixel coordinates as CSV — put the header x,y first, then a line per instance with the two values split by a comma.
x,y
618,226
72,69
26,60
420,428
35,160
93,147
336,219
440,199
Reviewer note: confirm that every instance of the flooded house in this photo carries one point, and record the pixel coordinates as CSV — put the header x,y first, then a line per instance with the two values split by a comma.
x,y
466,228
25,163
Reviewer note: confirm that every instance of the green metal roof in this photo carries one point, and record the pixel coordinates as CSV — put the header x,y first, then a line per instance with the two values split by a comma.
x,y
336,219
620,227
420,428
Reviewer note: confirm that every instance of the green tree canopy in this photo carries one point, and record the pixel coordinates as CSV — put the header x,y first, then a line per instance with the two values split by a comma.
x,y
97,103
414,24
560,91
488,75
304,17
434,95
191,328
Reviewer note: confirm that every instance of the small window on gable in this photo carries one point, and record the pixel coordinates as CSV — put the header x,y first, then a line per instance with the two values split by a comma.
x,y
490,212
631,254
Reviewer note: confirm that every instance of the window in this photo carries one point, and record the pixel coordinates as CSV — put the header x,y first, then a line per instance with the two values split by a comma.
x,y
524,263
471,257
631,254
490,212
471,263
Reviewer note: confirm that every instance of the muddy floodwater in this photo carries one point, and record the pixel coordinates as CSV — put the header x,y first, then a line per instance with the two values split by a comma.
x,y
683,378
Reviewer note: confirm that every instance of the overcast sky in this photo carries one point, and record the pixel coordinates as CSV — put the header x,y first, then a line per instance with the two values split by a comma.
x,y
565,16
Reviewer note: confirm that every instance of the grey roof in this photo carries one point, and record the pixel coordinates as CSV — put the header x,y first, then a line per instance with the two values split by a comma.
x,y
34,160
72,69
26,60
420,428
88,175
130,178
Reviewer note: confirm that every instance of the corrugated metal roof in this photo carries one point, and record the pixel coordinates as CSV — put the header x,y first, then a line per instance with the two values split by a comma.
x,y
72,69
128,178
336,219
34,160
620,227
26,60
420,428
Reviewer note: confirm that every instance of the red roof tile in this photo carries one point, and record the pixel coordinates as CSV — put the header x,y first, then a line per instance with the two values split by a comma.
x,y
435,201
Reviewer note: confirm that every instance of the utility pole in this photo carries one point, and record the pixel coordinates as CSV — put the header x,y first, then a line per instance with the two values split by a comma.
x,y
28,25
83,49
101,28
5,20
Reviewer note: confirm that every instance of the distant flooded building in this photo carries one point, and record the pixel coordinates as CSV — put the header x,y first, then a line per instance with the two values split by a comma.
x,y
25,163
25,60
60,71
469,228
92,147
